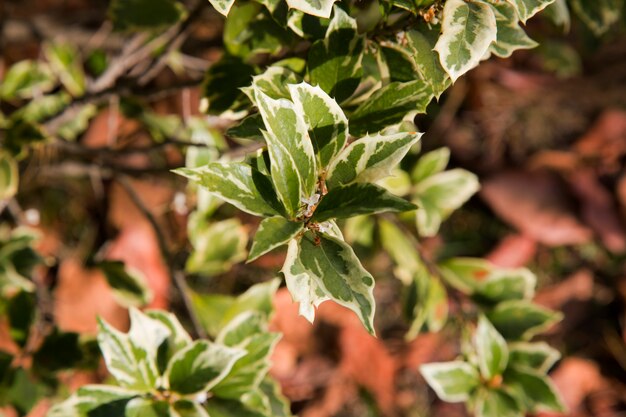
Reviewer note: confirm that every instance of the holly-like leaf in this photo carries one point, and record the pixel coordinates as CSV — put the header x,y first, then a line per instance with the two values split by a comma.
x,y
94,400
176,341
246,331
146,407
491,349
200,366
537,356
328,269
145,14
427,61
326,122
129,285
511,36
293,167
321,8
452,381
221,89
272,233
521,319
274,83
187,408
496,403
369,158
439,195
217,246
335,61
389,105
356,199
238,184
534,390
467,31
132,358
502,284
526,9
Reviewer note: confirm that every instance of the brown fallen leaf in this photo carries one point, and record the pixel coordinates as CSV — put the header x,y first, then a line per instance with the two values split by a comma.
x,y
598,209
513,251
536,204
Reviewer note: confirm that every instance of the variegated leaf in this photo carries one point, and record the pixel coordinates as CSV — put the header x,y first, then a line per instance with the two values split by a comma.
x,y
328,270
335,61
511,36
272,233
427,62
273,83
222,6
356,199
200,366
452,381
326,122
292,157
321,8
91,397
238,184
370,158
538,356
468,29
132,358
598,15
389,105
526,9
491,349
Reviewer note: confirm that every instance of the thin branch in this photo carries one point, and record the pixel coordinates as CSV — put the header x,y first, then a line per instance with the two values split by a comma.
x,y
176,277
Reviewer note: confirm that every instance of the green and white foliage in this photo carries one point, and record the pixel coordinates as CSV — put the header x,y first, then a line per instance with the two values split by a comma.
x,y
598,15
159,370
309,178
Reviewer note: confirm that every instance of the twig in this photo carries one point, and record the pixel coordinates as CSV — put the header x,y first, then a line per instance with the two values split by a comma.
x,y
176,276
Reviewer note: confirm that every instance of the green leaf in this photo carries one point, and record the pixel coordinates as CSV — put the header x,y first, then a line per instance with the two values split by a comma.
x,y
132,358
534,390
94,401
21,315
72,129
187,408
145,407
325,121
503,284
511,36
369,159
222,6
238,184
129,285
389,105
274,83
218,407
598,15
328,271
26,79
526,9
291,152
402,251
439,195
176,341
216,311
9,176
467,31
491,349
145,14
430,163
217,247
558,13
537,356
200,366
272,233
436,306
452,381
222,84
496,403
335,61
400,63
279,405
251,30
66,63
521,319
321,8
249,128
247,331
427,61
356,199
464,274
59,350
